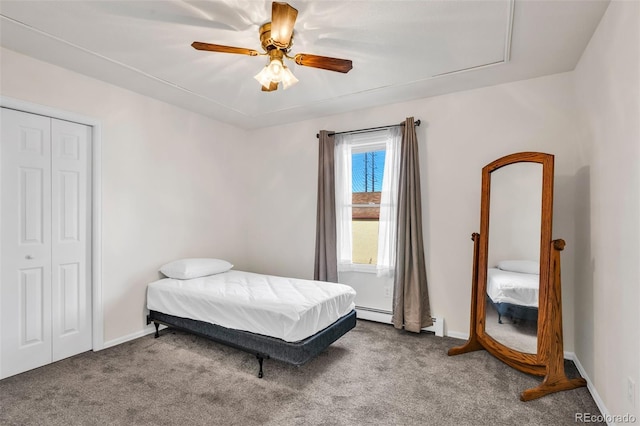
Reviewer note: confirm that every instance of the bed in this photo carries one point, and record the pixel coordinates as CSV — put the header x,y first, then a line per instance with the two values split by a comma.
x,y
514,291
287,319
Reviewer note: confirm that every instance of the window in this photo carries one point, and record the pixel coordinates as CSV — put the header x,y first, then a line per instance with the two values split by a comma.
x,y
366,185
366,192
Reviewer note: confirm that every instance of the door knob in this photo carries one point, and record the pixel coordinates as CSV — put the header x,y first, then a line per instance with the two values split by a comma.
x,y
29,257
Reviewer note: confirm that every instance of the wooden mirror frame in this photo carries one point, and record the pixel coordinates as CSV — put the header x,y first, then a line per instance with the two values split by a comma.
x,y
549,359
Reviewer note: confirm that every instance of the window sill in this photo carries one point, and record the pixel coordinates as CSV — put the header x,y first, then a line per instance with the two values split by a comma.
x,y
358,267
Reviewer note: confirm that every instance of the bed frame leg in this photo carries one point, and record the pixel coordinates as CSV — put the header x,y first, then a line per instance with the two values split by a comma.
x,y
157,326
260,360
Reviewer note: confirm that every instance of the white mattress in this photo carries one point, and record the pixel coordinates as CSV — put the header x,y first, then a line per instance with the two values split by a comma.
x,y
513,287
286,308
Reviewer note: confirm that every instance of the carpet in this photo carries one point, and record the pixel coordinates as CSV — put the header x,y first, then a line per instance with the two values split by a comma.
x,y
374,375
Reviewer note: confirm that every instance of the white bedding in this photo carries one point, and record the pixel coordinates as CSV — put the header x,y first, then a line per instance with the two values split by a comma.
x,y
513,287
286,308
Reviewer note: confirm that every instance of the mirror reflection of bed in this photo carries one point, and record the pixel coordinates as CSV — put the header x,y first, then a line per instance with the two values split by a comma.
x,y
512,304
513,256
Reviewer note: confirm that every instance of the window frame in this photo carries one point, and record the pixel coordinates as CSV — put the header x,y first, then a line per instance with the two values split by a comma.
x,y
370,143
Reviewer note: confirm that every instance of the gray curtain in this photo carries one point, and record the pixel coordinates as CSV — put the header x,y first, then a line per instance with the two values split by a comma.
x,y
326,262
410,297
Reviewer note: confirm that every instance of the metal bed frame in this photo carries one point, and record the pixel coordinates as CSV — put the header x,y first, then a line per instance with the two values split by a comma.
x,y
516,312
264,347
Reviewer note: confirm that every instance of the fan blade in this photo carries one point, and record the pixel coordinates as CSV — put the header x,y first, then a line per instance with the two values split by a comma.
x,y
324,62
283,18
224,49
272,86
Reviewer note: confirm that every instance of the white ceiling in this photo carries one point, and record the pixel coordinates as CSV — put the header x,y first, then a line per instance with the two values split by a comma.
x,y
401,50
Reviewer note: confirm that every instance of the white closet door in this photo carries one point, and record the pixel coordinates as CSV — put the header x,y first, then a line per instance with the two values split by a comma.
x,y
45,242
70,207
25,227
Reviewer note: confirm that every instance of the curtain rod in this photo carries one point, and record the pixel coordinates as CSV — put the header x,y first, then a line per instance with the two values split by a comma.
x,y
370,129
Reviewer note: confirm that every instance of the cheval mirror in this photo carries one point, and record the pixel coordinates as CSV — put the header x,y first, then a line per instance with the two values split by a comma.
x,y
516,305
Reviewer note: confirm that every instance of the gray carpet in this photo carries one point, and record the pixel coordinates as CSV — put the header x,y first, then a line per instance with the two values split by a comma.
x,y
374,375
519,335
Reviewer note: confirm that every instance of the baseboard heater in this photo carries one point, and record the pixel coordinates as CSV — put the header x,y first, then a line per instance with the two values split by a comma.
x,y
383,316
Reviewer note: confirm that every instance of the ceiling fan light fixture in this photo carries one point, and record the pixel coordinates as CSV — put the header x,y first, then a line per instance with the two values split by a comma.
x,y
276,72
276,38
288,79
275,68
264,76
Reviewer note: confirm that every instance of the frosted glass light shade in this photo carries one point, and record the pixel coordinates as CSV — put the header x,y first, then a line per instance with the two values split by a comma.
x,y
264,77
276,72
288,79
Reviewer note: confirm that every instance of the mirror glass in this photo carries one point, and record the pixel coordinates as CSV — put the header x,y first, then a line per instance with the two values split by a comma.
x,y
514,256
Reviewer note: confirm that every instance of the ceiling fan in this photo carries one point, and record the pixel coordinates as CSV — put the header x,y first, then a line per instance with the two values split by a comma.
x,y
276,38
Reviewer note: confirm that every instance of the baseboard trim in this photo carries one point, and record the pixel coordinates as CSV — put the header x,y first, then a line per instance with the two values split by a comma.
x,y
120,340
370,315
458,335
592,390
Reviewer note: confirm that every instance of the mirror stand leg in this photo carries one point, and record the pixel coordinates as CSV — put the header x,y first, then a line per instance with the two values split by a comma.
x,y
550,386
470,346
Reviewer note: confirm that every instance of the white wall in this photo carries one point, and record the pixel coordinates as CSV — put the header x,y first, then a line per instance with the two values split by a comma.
x,y
608,213
177,184
169,186
460,133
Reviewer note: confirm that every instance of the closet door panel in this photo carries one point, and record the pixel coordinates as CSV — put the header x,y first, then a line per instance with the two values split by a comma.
x,y
25,242
71,203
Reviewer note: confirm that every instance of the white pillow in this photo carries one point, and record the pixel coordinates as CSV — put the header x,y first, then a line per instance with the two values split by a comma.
x,y
185,269
522,266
